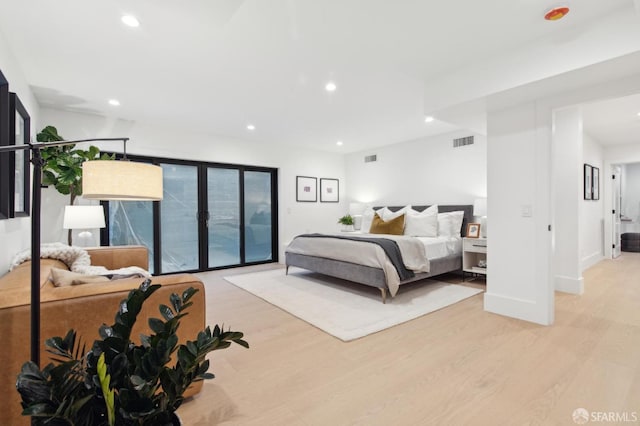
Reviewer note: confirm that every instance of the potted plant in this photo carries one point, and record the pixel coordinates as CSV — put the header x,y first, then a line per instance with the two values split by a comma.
x,y
118,382
347,223
62,165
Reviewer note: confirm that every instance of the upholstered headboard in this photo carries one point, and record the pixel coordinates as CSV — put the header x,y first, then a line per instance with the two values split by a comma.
x,y
466,208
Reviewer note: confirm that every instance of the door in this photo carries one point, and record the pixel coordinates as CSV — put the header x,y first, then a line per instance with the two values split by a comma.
x,y
258,222
179,249
212,216
617,241
223,217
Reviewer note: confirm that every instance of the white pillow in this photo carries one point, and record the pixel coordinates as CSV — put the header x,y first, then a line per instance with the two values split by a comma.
x,y
422,224
450,223
367,218
388,215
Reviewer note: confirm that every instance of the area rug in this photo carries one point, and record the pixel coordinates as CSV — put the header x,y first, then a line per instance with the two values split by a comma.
x,y
346,310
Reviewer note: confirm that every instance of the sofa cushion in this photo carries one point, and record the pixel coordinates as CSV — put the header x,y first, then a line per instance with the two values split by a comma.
x,y
62,277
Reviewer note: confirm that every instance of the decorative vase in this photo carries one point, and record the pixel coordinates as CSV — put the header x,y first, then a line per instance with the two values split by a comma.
x,y
347,228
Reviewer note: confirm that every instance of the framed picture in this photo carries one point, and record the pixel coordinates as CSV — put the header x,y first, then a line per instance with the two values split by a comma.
x,y
306,189
473,230
19,130
4,140
329,190
595,180
588,183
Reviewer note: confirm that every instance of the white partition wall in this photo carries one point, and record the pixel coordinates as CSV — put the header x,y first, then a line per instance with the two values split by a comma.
x,y
567,193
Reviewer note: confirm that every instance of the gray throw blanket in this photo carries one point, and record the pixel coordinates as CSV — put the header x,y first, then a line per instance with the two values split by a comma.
x,y
389,247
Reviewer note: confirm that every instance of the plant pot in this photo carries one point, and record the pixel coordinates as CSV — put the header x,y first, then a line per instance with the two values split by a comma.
x,y
347,228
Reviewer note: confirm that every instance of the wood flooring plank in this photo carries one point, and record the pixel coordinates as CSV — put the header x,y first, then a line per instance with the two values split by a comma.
x,y
457,366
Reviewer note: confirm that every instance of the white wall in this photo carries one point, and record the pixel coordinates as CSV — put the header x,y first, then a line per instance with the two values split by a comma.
x,y
294,217
567,194
592,212
424,171
15,233
519,281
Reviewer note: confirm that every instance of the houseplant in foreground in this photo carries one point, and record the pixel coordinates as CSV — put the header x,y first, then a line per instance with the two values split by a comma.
x,y
118,382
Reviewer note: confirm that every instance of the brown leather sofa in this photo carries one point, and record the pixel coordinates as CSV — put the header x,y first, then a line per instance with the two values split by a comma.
x,y
81,307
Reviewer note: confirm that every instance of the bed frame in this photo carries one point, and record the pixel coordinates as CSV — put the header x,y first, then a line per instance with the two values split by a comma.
x,y
375,277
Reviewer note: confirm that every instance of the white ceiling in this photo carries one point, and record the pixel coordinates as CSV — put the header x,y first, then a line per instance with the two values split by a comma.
x,y
214,66
613,121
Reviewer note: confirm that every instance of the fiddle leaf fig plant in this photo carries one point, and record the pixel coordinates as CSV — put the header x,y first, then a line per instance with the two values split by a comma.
x,y
119,382
62,165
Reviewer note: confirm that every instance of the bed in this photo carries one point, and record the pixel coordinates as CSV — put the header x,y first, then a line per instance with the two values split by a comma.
x,y
379,276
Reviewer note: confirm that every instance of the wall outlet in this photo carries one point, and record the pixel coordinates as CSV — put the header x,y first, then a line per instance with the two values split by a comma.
x,y
526,210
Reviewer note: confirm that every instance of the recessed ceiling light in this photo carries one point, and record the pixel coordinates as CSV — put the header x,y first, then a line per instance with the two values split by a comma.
x,y
130,21
251,127
428,119
114,102
556,13
339,143
330,87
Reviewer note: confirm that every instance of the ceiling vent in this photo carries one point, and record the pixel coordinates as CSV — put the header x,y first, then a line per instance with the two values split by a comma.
x,y
463,141
370,158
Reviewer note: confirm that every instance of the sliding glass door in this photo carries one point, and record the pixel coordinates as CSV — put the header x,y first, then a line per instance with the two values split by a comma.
x,y
179,218
212,216
223,218
258,231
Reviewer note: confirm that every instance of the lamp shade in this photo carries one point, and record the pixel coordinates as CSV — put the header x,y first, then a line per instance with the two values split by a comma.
x,y
480,207
83,217
121,180
356,208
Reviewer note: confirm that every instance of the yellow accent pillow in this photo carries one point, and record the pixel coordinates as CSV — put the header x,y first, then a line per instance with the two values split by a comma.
x,y
392,227
62,278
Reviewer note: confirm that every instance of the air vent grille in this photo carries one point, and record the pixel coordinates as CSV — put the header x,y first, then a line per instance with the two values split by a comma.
x,y
463,141
370,158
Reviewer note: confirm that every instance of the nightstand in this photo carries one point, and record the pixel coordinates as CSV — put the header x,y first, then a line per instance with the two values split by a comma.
x,y
474,252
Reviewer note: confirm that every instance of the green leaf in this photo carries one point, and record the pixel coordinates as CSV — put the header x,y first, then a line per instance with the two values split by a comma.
x,y
166,312
105,380
156,325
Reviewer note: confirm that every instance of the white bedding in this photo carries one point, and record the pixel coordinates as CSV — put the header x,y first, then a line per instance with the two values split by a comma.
x,y
442,246
435,247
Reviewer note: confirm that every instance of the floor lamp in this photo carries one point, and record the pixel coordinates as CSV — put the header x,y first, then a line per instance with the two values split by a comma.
x,y
102,180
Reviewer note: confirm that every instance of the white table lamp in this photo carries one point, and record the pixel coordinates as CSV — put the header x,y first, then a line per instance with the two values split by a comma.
x,y
85,218
480,210
356,210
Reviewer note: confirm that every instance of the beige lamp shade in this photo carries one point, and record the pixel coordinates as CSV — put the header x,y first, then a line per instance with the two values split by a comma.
x,y
121,180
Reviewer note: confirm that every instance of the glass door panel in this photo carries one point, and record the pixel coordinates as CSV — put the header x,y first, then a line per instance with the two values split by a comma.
x,y
178,218
257,216
223,199
131,223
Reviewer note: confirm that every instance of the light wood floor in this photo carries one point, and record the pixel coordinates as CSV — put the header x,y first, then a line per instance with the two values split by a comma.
x,y
457,366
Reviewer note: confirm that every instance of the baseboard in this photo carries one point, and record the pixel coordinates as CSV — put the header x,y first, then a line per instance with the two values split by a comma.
x,y
569,284
526,310
591,260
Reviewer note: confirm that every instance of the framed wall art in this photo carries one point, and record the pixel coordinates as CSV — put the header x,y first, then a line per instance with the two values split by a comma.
x,y
306,189
19,131
588,182
4,140
329,190
595,183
